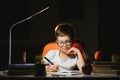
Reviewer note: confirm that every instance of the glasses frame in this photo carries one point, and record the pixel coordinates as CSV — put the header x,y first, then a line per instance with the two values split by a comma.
x,y
62,43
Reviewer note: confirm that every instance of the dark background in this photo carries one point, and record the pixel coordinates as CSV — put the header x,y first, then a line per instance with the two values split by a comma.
x,y
96,23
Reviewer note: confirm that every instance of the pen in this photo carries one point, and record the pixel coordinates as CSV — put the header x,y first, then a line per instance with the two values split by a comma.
x,y
48,60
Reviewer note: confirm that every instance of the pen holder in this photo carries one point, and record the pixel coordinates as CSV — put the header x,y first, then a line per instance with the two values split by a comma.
x,y
40,70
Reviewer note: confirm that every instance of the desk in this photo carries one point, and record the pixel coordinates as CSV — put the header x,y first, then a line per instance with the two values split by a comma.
x,y
93,76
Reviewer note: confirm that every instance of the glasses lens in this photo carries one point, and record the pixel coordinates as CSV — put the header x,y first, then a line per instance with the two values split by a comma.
x,y
67,43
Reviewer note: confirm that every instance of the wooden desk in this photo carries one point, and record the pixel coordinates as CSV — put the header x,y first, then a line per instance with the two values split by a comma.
x,y
93,76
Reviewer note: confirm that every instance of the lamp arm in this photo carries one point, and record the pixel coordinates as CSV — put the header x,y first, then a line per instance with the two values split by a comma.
x,y
10,31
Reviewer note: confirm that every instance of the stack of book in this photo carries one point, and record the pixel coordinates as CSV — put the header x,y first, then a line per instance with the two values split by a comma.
x,y
106,67
20,69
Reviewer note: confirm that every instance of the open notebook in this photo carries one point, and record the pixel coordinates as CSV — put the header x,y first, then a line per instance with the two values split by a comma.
x,y
66,73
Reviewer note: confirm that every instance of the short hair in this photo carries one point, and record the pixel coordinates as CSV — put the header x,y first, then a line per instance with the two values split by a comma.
x,y
63,29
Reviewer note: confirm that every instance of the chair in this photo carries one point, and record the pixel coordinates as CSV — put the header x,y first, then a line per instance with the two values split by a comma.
x,y
54,46
49,46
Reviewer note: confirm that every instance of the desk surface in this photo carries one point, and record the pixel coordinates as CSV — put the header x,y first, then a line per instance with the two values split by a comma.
x,y
93,76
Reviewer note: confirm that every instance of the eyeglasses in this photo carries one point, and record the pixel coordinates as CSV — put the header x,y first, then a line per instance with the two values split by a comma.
x,y
67,43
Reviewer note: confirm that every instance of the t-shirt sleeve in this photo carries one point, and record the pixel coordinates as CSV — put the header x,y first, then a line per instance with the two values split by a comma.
x,y
49,55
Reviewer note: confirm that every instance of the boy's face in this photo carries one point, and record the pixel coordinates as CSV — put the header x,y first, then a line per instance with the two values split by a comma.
x,y
64,42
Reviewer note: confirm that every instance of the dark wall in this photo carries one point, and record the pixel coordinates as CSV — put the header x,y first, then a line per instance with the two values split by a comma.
x,y
11,12
69,9
109,34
